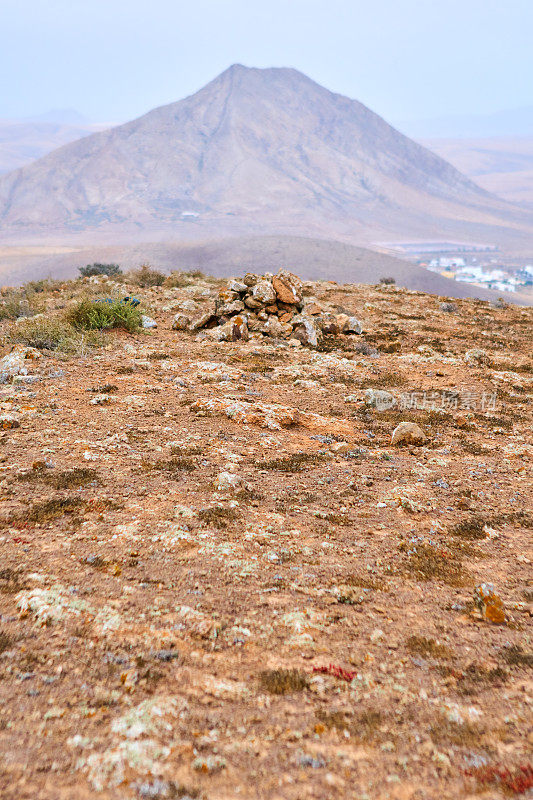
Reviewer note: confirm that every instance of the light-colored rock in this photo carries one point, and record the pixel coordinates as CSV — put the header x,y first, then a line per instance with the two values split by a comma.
x,y
272,416
181,322
227,481
235,307
102,400
15,362
408,433
352,325
476,356
203,319
148,322
236,286
379,398
263,293
305,332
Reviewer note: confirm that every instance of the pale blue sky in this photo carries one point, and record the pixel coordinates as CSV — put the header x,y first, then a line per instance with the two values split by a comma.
x,y
115,59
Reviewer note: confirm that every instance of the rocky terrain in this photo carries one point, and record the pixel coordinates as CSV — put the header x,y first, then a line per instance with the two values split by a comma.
x,y
312,259
263,538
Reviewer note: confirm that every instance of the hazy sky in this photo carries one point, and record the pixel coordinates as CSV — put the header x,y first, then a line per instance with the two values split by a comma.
x,y
115,59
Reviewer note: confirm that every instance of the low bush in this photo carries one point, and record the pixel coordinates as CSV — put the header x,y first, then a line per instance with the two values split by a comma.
x,y
50,333
20,303
111,270
146,277
178,279
97,315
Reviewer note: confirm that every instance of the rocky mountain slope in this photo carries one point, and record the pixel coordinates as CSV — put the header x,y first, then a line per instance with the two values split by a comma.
x,y
254,150
256,568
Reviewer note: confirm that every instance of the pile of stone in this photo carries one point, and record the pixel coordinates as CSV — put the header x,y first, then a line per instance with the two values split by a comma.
x,y
268,305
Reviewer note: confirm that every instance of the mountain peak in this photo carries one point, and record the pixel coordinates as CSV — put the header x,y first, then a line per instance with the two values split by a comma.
x,y
256,148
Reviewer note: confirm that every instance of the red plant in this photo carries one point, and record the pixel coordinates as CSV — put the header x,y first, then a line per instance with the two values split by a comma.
x,y
518,780
337,672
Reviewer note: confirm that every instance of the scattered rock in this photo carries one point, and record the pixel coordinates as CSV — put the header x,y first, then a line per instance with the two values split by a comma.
x,y
15,362
380,399
9,421
274,417
408,433
148,322
476,356
181,322
227,481
489,603
209,764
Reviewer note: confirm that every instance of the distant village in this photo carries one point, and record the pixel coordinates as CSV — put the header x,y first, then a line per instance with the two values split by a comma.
x,y
479,264
490,275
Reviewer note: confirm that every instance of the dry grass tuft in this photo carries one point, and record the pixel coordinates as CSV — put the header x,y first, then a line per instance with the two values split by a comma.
x,y
427,563
46,511
515,656
471,528
146,277
219,516
428,648
172,466
68,479
447,732
6,641
293,463
283,681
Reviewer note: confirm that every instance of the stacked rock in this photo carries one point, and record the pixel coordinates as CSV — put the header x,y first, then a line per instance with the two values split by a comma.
x,y
268,305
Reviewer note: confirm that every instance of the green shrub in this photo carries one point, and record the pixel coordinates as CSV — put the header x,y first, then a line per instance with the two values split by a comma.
x,y
146,277
96,315
111,270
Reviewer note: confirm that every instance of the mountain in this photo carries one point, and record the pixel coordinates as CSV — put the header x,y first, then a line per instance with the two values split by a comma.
x,y
502,165
61,116
24,141
513,122
256,150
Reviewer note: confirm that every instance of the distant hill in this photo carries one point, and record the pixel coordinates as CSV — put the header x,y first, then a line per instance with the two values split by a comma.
x,y
62,116
24,141
516,122
313,259
254,151
503,166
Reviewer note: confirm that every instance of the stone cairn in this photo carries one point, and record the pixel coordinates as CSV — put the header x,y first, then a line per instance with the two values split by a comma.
x,y
267,305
